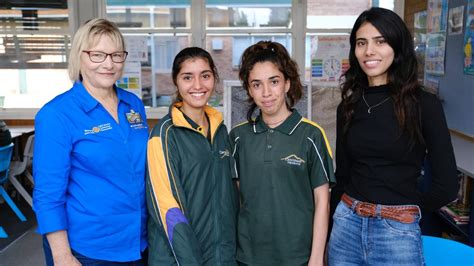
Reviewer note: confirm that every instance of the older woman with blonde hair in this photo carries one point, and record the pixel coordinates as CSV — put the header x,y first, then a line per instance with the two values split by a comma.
x,y
89,160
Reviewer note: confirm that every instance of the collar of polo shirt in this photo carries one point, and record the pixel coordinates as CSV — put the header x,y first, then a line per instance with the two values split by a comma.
x,y
287,127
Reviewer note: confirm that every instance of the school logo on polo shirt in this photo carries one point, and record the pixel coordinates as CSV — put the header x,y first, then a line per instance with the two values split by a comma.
x,y
133,117
293,160
135,120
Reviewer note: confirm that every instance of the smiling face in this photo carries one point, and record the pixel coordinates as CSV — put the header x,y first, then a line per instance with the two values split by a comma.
x,y
101,75
374,54
267,87
195,82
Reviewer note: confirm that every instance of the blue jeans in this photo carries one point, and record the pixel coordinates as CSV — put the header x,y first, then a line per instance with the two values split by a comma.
x,y
85,261
357,240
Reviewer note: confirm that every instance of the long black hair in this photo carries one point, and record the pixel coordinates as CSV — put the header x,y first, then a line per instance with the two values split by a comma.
x,y
190,53
267,51
402,73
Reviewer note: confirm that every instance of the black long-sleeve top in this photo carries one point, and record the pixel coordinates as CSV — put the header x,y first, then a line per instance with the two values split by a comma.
x,y
374,163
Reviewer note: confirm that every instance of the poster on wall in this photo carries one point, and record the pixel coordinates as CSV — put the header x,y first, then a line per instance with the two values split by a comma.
x,y
329,59
437,15
455,20
436,36
469,39
434,55
131,78
137,48
420,42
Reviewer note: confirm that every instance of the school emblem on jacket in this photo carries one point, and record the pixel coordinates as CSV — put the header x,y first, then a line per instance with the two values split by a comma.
x,y
293,160
224,153
133,117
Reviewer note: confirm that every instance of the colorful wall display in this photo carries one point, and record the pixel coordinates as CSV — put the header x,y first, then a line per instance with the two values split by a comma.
x,y
131,78
436,36
469,40
329,59
455,20
420,42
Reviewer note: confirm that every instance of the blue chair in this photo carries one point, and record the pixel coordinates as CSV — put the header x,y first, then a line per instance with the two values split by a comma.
x,y
3,234
5,159
441,251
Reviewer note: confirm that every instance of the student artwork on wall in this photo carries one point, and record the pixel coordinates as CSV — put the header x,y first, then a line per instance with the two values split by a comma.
x,y
329,59
455,20
469,40
137,48
420,41
436,37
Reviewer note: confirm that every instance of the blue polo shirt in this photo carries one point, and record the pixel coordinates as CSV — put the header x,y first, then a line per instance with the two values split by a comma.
x,y
89,174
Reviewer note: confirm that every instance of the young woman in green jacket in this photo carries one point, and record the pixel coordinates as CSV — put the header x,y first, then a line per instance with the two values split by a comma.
x,y
192,199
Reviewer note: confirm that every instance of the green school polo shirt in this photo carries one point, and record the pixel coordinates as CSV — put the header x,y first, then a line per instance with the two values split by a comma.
x,y
277,171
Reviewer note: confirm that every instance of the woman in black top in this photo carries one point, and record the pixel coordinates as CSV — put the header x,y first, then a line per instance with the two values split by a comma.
x,y
386,126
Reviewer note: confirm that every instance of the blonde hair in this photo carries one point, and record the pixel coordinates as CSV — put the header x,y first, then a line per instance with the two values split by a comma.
x,y
87,36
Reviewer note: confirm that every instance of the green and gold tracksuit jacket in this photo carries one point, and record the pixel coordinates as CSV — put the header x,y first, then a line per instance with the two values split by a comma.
x,y
191,197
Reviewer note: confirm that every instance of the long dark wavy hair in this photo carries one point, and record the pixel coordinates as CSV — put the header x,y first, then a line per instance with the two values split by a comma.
x,y
268,51
402,74
191,53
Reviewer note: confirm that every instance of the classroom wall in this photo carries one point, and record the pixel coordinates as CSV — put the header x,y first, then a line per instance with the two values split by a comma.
x,y
456,90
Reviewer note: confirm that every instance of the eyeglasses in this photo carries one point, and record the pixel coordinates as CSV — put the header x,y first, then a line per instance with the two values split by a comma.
x,y
99,57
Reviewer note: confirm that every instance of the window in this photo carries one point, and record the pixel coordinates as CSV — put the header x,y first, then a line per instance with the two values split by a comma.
x,y
166,26
34,42
35,39
149,15
248,14
240,43
334,18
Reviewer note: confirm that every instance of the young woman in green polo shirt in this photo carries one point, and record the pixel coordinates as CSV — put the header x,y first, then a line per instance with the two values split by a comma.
x,y
192,199
284,166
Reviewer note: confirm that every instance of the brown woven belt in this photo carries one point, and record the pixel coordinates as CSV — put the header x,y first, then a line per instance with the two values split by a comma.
x,y
403,214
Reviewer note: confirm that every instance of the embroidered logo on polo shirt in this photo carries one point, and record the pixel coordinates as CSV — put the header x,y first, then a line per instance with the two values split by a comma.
x,y
98,129
133,117
135,120
293,160
224,153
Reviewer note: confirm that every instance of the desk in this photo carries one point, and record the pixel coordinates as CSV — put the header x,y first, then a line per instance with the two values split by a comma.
x,y
16,133
464,153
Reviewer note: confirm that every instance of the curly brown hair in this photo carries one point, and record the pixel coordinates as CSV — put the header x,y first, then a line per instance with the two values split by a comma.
x,y
268,51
